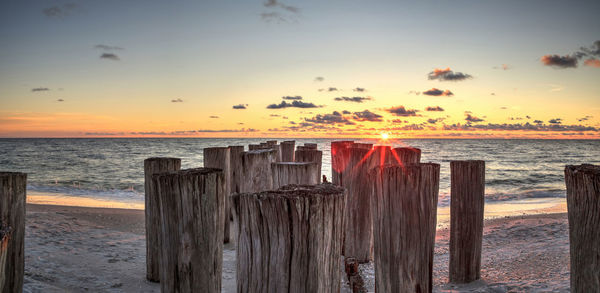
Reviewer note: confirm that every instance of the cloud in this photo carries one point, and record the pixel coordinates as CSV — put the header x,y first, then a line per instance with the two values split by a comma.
x,y
353,99
593,51
586,118
367,115
437,92
359,89
275,3
60,100
555,121
110,56
592,63
177,100
559,61
285,13
293,104
240,106
59,11
273,16
503,67
414,92
332,89
434,121
520,127
434,109
333,118
538,121
319,79
292,98
447,75
401,111
346,112
40,89
108,48
473,119
213,117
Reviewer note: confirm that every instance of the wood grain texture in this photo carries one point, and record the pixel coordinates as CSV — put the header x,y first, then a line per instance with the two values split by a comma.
x,y
310,146
235,156
5,234
192,207
12,214
406,155
339,160
467,188
311,155
303,173
220,158
583,205
404,209
152,211
290,239
255,170
287,150
358,229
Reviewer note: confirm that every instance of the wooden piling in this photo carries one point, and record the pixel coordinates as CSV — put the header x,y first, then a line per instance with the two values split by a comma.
x,y
255,170
271,142
4,239
287,150
358,229
12,216
583,205
406,155
339,160
467,188
311,155
302,173
235,157
404,209
290,239
152,211
310,146
360,145
192,207
220,158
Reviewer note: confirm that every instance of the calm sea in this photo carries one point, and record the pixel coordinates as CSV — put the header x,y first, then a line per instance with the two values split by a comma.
x,y
112,168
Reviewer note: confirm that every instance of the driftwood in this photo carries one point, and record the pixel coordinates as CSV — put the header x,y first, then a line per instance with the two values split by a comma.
x,y
287,151
302,173
583,205
404,221
220,158
192,207
467,188
154,166
311,155
255,170
12,214
339,160
358,229
289,240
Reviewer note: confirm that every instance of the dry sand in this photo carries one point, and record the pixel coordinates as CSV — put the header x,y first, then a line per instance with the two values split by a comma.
x,y
79,249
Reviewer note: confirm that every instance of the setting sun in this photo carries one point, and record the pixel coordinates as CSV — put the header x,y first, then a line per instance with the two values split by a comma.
x,y
385,136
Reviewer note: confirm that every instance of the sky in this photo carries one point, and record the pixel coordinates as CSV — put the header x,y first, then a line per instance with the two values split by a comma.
x,y
408,69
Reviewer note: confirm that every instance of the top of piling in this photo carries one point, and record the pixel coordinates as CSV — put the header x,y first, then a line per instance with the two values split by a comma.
x,y
190,172
9,174
157,159
216,148
295,191
585,168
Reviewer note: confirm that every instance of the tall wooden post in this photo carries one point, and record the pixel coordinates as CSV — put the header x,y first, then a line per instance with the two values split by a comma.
x,y
583,205
314,156
406,155
13,186
271,142
152,211
404,210
303,173
339,160
290,239
467,188
358,225
287,150
5,234
255,170
310,146
360,145
220,158
192,207
235,156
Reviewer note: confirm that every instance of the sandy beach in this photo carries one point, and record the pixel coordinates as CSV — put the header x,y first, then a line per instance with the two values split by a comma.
x,y
83,249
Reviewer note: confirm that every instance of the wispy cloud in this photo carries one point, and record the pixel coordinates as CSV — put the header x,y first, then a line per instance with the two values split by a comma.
x,y
503,67
447,75
110,56
107,47
319,79
471,118
367,115
59,11
437,92
333,118
177,100
359,89
353,99
281,13
275,4
401,111
240,106
592,63
40,89
591,54
559,61
60,100
434,109
293,104
555,121
292,98
213,117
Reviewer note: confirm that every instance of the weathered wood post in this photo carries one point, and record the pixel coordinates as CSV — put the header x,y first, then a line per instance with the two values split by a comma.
x,y
255,170
152,211
192,207
404,220
358,237
360,145
289,240
287,150
220,158
271,142
583,205
235,157
339,160
12,216
467,188
4,239
303,173
406,155
310,155
310,146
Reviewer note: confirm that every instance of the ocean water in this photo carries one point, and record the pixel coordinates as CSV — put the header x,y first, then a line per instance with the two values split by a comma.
x,y
111,169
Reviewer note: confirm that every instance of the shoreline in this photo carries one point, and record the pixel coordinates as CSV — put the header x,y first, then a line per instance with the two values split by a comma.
x,y
76,249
